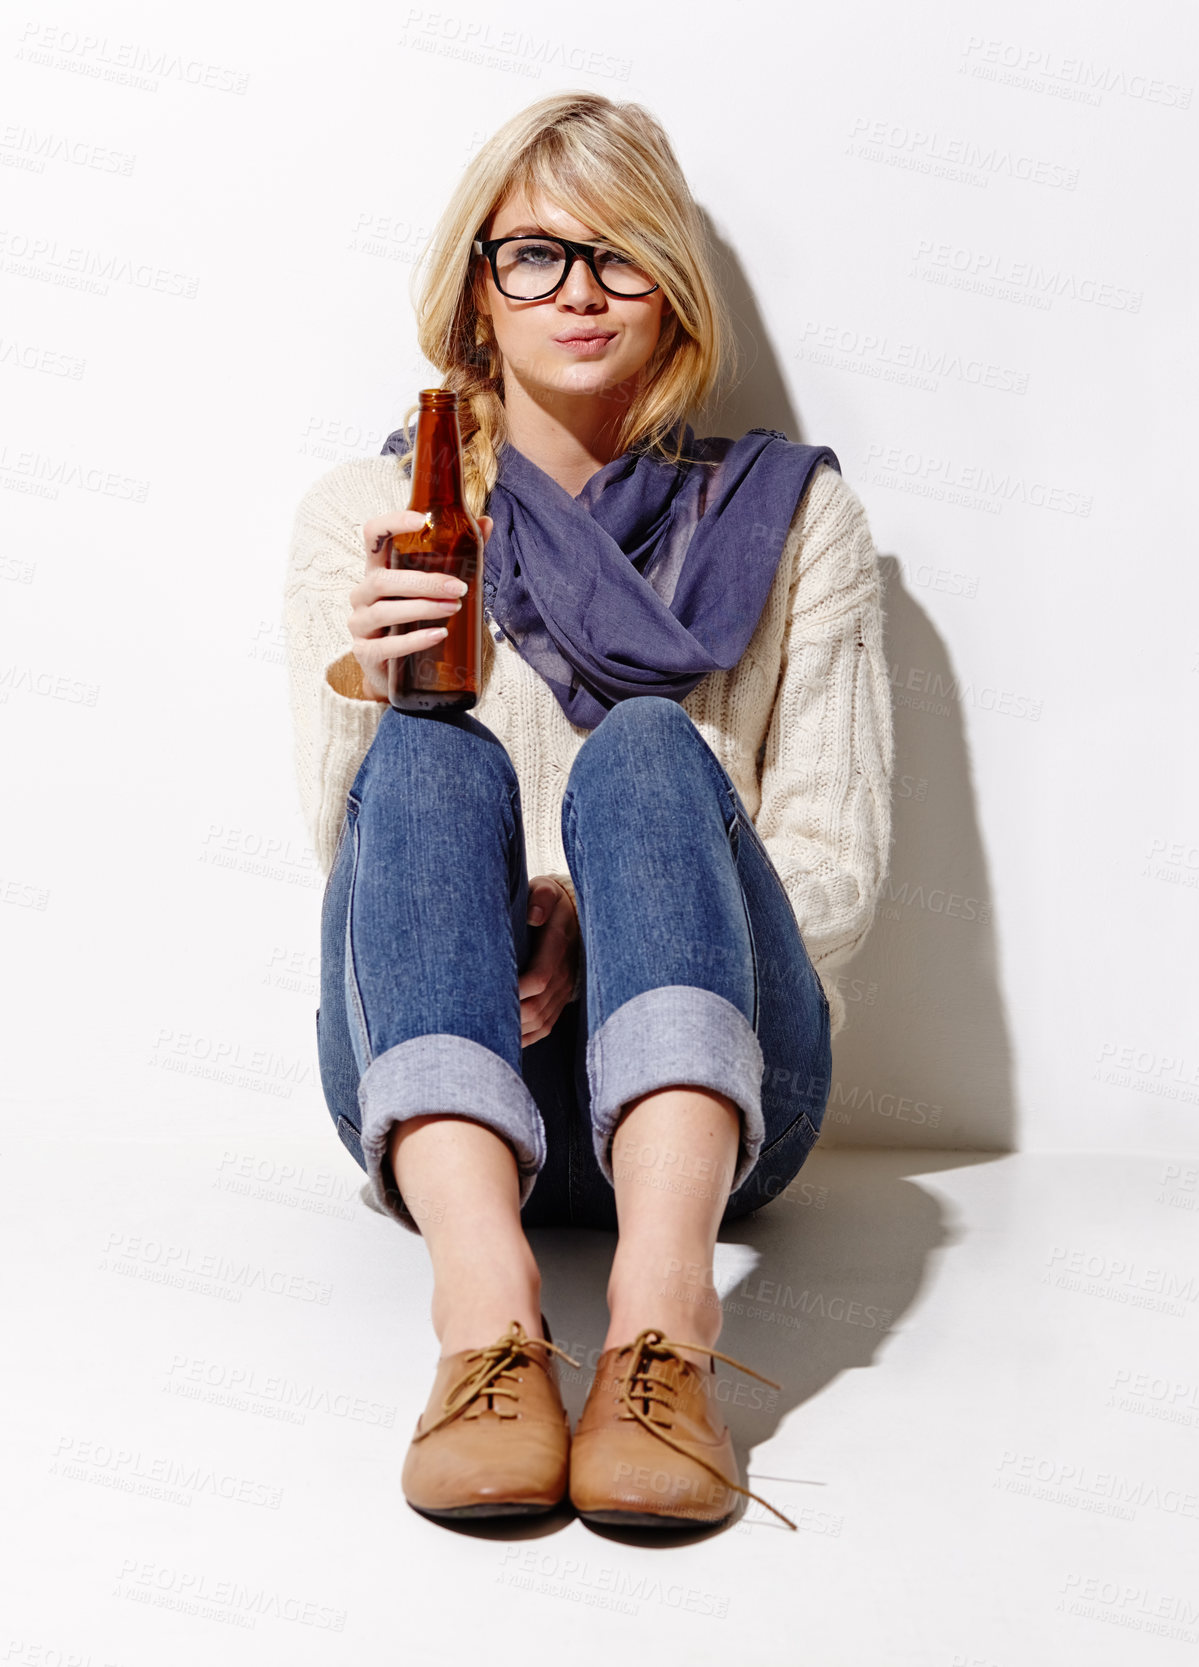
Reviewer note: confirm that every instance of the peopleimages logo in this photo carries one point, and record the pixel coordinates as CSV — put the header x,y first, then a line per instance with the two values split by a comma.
x,y
1169,1075
46,475
952,155
128,63
198,1592
244,1387
1041,69
90,269
30,149
914,364
47,361
983,486
992,273
901,1108
930,691
475,41
1126,1604
1074,1482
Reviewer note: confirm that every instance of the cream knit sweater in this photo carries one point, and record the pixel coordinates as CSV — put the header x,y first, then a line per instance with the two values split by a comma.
x,y
802,723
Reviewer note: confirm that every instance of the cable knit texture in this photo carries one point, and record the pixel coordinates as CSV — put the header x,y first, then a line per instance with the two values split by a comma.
x,y
802,723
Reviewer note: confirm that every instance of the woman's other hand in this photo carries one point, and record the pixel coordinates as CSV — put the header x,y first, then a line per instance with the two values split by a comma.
x,y
548,979
388,596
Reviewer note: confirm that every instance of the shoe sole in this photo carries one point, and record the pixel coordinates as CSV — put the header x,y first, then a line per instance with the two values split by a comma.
x,y
651,1519
490,1508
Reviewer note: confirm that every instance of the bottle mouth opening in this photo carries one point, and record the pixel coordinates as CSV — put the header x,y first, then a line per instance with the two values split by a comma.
x,y
438,399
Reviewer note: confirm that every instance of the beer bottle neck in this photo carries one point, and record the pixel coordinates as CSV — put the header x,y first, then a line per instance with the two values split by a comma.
x,y
437,461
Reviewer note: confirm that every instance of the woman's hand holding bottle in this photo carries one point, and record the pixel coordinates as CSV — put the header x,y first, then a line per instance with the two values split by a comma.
x,y
388,596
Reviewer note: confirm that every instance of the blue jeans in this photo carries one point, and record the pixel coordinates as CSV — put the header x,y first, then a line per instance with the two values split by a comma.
x,y
696,971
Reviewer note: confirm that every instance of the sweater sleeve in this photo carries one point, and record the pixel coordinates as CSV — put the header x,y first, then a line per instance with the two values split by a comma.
x,y
333,719
825,809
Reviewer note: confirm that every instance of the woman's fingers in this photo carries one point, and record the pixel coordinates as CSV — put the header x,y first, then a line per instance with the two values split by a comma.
x,y
370,618
372,597
377,530
545,985
543,894
538,976
387,596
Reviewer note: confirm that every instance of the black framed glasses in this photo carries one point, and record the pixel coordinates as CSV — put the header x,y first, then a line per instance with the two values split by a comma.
x,y
530,268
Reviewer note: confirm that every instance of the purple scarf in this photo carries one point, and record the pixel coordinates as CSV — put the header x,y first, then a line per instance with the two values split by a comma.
x,y
653,576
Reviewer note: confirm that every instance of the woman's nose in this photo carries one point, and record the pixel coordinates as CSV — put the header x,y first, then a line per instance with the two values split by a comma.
x,y
580,288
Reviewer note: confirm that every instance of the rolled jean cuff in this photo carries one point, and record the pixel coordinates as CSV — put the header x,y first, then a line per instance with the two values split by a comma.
x,y
677,1033
452,1074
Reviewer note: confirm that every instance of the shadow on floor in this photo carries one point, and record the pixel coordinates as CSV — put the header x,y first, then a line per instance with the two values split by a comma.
x,y
812,1286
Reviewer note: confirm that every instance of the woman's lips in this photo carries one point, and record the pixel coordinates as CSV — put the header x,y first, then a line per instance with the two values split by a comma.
x,y
584,347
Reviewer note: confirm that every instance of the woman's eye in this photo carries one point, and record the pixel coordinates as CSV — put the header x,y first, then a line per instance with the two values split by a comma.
x,y
538,254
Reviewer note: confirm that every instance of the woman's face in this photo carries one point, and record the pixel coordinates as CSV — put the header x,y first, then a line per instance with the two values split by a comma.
x,y
532,335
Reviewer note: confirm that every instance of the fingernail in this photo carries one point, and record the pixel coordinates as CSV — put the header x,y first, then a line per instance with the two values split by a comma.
x,y
457,587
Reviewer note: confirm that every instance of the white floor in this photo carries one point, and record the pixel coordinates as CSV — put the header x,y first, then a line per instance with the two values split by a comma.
x,y
987,1432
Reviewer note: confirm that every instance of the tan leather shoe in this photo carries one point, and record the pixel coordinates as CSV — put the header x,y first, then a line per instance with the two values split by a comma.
x,y
651,1448
494,1439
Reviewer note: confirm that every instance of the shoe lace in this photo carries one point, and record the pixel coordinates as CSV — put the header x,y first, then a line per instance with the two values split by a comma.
x,y
640,1384
498,1360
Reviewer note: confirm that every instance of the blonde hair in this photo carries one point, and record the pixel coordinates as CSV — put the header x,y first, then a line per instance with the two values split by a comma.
x,y
612,164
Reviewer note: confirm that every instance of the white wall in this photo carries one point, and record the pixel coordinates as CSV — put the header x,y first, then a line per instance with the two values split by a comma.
x,y
958,239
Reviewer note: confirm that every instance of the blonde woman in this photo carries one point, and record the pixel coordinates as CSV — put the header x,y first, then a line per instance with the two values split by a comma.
x,y
577,943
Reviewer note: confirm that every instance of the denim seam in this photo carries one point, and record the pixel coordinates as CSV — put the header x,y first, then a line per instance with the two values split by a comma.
x,y
800,1117
747,822
355,1008
575,1168
512,791
734,835
346,1130
570,840
341,839
676,1033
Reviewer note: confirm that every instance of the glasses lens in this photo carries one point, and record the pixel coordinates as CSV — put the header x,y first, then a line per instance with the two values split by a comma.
x,y
529,267
621,273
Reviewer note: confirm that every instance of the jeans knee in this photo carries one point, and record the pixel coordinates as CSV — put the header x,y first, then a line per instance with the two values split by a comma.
x,y
641,711
449,760
627,734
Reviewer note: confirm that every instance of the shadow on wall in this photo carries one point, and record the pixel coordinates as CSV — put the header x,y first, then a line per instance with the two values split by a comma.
x,y
926,1014
925,1058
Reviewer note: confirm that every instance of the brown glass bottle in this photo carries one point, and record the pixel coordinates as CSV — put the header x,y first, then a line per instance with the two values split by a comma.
x,y
446,674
